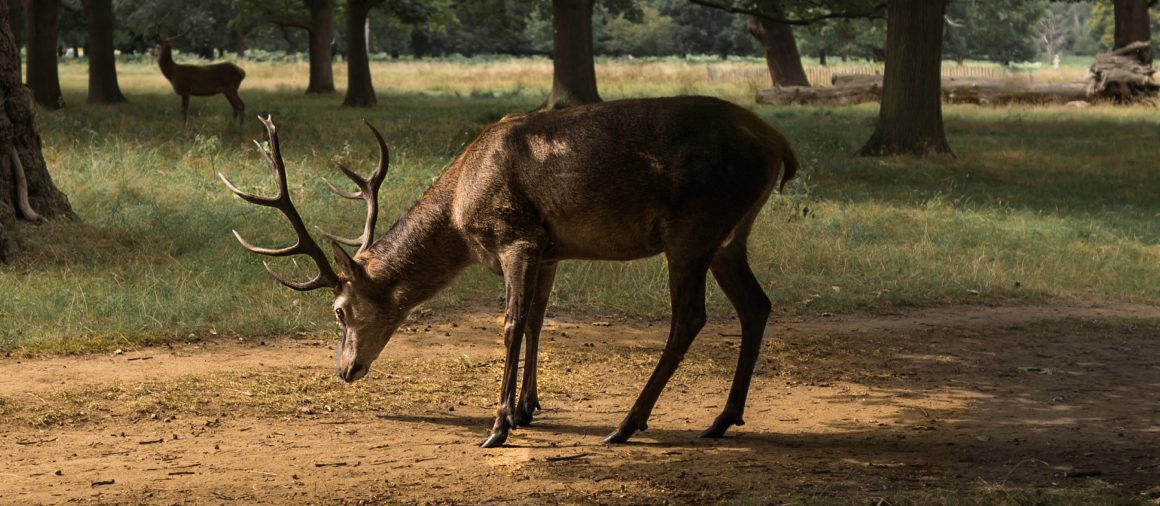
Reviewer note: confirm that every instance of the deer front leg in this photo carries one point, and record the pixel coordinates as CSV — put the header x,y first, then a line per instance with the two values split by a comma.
x,y
529,401
520,263
185,108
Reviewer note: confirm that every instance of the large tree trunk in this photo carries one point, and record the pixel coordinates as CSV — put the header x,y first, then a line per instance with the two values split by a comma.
x,y
360,92
24,181
1132,25
910,118
103,88
573,69
321,35
42,50
16,25
781,52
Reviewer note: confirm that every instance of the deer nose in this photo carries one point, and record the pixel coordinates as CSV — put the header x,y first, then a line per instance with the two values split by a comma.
x,y
353,373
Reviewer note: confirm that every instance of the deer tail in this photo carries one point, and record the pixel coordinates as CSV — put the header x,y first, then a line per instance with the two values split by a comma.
x,y
790,161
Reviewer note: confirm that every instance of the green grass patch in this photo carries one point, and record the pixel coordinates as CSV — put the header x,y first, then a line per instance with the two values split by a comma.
x,y
1040,203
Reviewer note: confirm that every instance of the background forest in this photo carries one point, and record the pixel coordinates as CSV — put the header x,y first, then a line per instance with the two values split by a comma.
x,y
1003,31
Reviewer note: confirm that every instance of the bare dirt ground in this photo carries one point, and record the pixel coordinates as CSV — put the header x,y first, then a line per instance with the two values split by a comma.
x,y
895,405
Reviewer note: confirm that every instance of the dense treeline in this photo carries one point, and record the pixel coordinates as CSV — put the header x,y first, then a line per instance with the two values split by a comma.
x,y
999,30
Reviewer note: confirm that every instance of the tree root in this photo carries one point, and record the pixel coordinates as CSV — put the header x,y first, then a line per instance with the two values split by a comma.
x,y
22,202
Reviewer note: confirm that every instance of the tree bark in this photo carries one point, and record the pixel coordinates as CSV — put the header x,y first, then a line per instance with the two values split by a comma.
x,y
16,25
910,118
573,67
781,52
42,17
103,87
360,92
1132,25
321,35
18,136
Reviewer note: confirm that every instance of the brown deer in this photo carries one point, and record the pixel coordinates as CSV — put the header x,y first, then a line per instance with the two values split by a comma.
x,y
683,176
200,80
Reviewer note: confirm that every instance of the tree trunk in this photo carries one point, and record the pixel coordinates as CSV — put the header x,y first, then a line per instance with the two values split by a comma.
x,y
321,35
360,92
781,52
1132,25
573,69
16,26
42,52
103,88
910,118
18,137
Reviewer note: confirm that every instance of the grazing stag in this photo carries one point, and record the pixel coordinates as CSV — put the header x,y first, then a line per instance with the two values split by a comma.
x,y
200,80
683,176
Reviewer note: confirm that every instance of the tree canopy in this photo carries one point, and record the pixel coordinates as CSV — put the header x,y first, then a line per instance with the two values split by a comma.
x,y
998,30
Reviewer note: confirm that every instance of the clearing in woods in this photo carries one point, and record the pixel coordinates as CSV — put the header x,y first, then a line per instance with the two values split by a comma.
x,y
906,406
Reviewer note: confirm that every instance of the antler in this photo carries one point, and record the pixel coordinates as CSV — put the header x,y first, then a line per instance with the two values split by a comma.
x,y
368,191
305,244
169,40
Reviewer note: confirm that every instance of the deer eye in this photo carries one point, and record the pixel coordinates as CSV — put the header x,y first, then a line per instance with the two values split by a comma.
x,y
338,312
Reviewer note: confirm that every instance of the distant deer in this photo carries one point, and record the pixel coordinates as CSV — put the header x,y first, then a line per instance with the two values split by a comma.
x,y
683,176
200,80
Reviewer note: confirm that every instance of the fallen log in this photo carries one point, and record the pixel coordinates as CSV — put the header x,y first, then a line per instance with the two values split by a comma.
x,y
850,90
844,95
1122,77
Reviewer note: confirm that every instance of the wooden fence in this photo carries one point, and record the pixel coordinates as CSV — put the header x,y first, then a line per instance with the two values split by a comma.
x,y
819,75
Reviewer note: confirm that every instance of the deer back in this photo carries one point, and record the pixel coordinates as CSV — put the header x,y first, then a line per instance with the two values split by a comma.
x,y
617,180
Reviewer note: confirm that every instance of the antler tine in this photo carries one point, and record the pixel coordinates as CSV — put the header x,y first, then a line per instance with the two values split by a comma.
x,y
305,245
178,36
368,191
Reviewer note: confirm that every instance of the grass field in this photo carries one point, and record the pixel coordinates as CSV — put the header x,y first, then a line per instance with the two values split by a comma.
x,y
1040,203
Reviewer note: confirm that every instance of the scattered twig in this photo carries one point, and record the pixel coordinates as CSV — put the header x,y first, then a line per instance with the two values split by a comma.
x,y
151,441
1016,466
102,482
727,334
139,358
180,473
330,464
567,457
35,441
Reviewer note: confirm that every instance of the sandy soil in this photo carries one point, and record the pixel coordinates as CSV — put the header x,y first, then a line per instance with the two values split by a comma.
x,y
939,401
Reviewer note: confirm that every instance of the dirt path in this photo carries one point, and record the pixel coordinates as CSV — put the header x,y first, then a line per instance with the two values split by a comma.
x,y
900,404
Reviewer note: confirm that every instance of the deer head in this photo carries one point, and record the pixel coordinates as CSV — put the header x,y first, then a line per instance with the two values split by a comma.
x,y
367,311
165,43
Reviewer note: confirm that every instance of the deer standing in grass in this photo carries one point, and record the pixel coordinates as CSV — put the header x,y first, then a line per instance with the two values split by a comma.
x,y
623,180
200,80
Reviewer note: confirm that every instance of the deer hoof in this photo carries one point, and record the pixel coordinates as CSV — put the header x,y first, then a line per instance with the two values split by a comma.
x,y
720,425
524,414
619,436
496,440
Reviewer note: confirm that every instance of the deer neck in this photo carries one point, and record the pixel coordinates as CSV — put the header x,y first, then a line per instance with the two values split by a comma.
x,y
421,253
165,59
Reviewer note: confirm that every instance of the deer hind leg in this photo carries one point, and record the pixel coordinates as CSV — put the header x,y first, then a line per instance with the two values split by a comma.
x,y
529,402
731,269
237,104
687,294
520,263
185,108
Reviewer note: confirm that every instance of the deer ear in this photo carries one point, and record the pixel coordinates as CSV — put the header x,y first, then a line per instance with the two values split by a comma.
x,y
346,264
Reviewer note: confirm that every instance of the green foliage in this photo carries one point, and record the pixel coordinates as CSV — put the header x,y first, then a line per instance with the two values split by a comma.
x,y
651,36
845,38
996,30
1102,26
